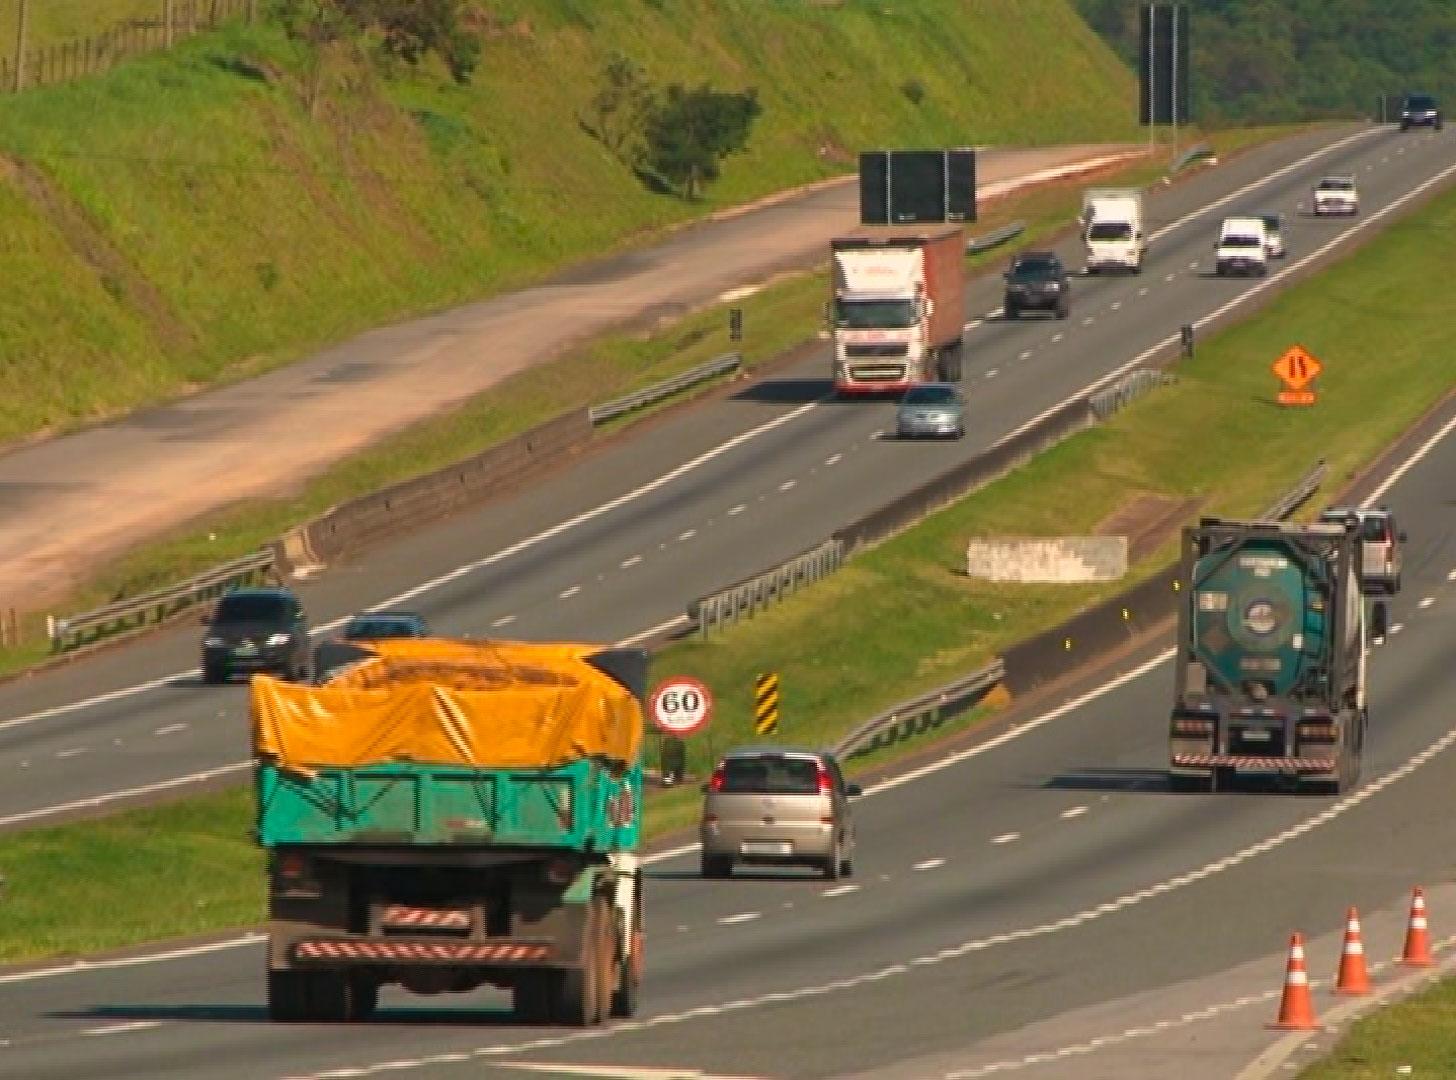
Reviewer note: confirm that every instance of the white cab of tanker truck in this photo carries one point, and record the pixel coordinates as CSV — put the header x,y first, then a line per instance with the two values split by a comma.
x,y
896,308
1112,229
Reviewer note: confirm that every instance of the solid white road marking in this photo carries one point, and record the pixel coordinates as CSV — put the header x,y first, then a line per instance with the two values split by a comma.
x,y
1006,838
1075,811
741,917
170,729
929,864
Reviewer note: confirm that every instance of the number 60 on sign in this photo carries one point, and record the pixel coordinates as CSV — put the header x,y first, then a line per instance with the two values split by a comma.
x,y
681,705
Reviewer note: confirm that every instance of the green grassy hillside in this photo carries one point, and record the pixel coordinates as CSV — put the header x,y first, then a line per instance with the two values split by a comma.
x,y
185,219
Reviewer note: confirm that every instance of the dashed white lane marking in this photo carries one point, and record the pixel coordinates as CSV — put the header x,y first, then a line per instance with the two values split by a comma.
x,y
631,561
741,917
1426,601
737,509
929,864
1385,160
71,752
1169,277
170,729
1006,838
788,485
1088,321
972,324
833,459
687,534
839,890
1193,265
1143,291
1451,575
1117,305
993,313
117,1029
504,620
1057,337
1396,628
1075,811
1025,354
993,373
567,594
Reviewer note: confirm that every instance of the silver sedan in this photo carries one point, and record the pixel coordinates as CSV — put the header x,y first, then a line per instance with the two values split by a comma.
x,y
935,409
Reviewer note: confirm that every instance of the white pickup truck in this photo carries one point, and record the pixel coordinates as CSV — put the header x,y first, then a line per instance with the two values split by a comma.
x,y
1336,195
1242,248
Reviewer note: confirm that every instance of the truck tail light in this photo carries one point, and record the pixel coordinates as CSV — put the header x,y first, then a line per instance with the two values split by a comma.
x,y
1195,727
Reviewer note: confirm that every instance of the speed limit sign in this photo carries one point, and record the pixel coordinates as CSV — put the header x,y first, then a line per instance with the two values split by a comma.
x,y
681,705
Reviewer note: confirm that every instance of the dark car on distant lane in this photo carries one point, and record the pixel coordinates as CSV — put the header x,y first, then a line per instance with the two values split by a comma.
x,y
375,625
256,629
1037,281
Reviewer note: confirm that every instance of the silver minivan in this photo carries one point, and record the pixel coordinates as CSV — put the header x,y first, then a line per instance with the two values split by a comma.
x,y
778,805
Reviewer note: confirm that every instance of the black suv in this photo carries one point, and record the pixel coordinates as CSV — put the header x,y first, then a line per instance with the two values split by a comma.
x,y
1419,110
1037,281
256,629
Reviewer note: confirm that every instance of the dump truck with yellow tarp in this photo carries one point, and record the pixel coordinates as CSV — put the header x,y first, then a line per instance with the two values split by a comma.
x,y
445,815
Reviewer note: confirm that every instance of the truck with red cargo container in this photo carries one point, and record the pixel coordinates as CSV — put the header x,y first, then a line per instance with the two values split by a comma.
x,y
896,308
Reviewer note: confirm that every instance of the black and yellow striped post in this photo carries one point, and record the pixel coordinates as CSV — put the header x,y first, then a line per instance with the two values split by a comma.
x,y
766,704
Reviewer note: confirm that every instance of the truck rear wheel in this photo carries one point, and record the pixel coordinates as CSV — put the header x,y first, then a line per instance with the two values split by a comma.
x,y
578,989
606,957
629,985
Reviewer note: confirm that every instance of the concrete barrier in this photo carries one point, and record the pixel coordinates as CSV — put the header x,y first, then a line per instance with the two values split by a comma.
x,y
1053,559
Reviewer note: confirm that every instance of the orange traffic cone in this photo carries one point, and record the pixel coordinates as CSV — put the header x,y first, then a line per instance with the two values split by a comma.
x,y
1296,1007
1352,979
1417,936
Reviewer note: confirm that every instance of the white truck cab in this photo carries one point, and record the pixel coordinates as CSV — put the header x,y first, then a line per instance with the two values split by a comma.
x,y
1242,248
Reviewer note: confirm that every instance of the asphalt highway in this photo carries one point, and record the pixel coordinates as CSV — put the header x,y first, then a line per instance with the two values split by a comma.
x,y
700,497
1035,874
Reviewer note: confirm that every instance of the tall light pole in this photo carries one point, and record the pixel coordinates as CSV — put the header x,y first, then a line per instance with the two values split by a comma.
x,y
20,45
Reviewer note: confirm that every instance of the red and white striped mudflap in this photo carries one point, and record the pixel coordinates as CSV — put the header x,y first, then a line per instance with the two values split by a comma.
x,y
1253,764
404,917
441,952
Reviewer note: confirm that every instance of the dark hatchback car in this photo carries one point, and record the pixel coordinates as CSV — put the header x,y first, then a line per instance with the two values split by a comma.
x,y
375,625
256,629
1420,110
1037,281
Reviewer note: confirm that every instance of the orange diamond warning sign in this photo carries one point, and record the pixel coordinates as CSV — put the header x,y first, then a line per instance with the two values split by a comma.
x,y
1296,368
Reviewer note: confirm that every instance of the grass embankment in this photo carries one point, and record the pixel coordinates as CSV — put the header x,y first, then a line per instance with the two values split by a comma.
x,y
1415,1038
184,219
1216,434
777,318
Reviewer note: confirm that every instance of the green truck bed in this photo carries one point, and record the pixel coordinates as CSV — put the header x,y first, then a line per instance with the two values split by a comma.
x,y
582,806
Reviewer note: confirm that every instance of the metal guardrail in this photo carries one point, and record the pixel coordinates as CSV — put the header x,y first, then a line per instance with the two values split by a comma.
x,y
921,713
719,365
748,597
155,607
1194,153
995,238
1127,389
1296,496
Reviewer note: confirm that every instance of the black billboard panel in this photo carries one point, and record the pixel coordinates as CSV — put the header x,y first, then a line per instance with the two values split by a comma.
x,y
1164,63
917,187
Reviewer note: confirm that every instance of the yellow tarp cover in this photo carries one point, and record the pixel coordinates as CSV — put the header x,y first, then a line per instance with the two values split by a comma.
x,y
480,703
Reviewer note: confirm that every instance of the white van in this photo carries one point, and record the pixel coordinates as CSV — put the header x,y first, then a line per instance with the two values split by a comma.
x,y
1243,247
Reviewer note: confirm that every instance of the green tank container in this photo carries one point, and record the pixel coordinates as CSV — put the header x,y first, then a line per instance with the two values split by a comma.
x,y
1261,614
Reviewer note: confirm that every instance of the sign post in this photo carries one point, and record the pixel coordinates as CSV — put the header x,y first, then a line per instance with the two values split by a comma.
x,y
679,706
1296,369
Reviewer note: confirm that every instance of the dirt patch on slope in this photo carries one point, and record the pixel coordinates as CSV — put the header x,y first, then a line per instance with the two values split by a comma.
x,y
1147,520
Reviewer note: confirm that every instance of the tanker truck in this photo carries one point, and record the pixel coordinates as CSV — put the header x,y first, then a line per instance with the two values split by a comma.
x,y
1271,655
444,815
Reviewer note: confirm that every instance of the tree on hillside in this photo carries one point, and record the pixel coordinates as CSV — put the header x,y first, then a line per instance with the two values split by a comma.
x,y
619,109
690,132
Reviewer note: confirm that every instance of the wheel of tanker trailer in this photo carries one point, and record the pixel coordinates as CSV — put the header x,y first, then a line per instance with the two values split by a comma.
x,y
1195,784
363,997
288,996
626,997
